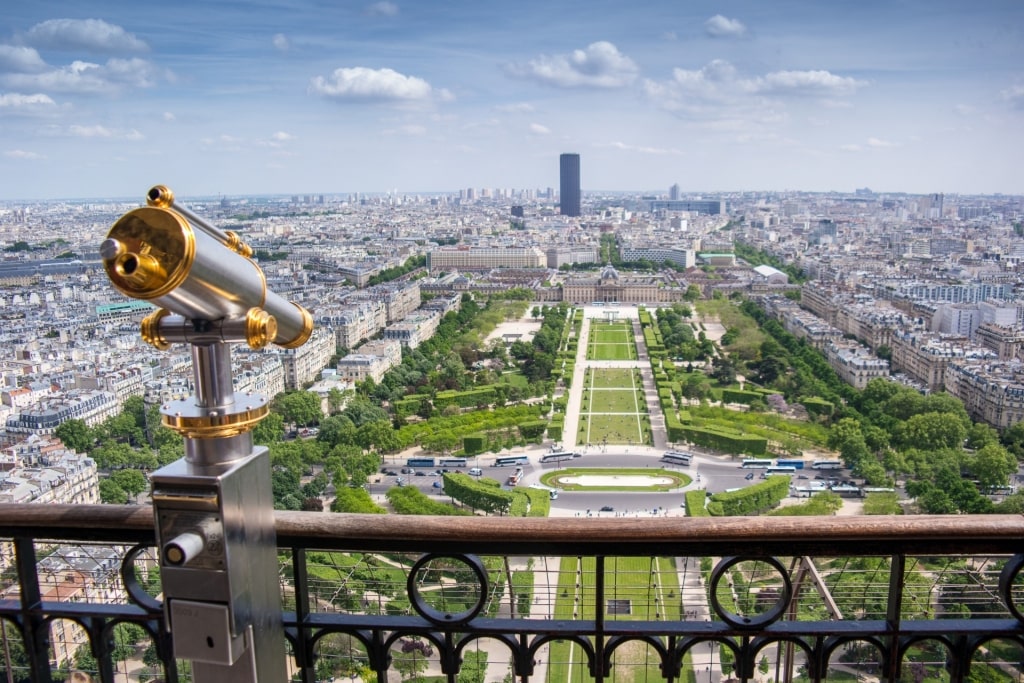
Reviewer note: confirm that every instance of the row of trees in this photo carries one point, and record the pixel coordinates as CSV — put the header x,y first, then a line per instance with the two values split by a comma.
x,y
890,432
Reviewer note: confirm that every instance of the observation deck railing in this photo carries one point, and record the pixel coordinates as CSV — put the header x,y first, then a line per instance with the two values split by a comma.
x,y
479,599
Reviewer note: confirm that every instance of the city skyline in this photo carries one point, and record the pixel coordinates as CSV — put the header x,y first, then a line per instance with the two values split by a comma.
x,y
314,97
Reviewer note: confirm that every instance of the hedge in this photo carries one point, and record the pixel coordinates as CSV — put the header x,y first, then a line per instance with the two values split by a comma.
x,y
744,397
465,399
728,442
533,430
695,501
473,444
478,495
818,406
753,499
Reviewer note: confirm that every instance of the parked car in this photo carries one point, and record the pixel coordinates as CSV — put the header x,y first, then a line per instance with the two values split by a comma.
x,y
607,508
438,484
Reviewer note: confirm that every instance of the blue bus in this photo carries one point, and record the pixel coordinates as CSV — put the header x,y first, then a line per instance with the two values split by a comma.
x,y
511,460
419,462
798,464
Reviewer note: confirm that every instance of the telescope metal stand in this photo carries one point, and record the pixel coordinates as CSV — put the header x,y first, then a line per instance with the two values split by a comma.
x,y
215,527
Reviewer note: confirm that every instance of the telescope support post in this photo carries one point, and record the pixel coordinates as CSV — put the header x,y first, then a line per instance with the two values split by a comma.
x,y
215,527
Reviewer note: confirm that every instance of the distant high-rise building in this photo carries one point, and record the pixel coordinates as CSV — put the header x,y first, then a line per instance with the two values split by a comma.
x,y
673,193
569,176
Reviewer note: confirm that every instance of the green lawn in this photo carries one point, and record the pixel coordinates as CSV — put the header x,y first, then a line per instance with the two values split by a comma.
x,y
612,401
621,429
612,378
651,585
611,335
611,352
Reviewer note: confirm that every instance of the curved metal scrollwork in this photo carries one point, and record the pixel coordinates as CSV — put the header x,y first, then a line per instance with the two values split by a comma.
x,y
454,586
762,619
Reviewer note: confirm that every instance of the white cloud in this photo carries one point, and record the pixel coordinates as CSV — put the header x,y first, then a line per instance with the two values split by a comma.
x,y
538,129
878,143
382,9
718,95
91,35
517,108
96,131
281,43
22,60
361,83
657,151
1014,95
822,83
13,100
600,65
88,77
22,154
281,136
723,27
102,132
410,129
169,116
850,148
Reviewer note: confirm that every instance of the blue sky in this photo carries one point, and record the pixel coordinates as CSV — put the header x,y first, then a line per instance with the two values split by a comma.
x,y
105,98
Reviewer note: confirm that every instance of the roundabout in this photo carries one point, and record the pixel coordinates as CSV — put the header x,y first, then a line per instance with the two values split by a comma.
x,y
615,479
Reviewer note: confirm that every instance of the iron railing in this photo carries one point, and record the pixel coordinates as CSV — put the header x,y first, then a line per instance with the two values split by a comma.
x,y
473,599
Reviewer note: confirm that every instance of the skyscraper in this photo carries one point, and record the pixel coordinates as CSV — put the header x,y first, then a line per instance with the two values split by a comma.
x,y
569,199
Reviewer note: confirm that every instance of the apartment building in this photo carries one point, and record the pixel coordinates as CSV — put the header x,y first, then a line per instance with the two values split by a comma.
x,y
855,364
992,391
303,365
93,407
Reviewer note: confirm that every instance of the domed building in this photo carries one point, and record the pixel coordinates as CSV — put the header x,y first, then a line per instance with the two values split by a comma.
x,y
611,287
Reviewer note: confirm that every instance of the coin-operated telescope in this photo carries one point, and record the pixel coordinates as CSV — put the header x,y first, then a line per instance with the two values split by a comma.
x,y
214,508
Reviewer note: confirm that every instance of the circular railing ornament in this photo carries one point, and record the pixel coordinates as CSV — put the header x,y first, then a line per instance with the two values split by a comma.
x,y
447,589
780,594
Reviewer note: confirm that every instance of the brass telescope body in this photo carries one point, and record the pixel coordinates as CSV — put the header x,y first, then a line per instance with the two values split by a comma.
x,y
210,293
154,253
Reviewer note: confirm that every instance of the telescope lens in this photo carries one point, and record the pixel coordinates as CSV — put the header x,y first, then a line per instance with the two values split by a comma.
x,y
128,265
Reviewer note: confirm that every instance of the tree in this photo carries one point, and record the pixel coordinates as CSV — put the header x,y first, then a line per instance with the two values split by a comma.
x,y
335,400
1013,439
111,493
132,482
335,430
269,430
932,431
992,466
76,435
299,407
724,371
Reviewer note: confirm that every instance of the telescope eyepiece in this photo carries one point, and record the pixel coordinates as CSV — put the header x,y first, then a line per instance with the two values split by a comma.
x,y
160,196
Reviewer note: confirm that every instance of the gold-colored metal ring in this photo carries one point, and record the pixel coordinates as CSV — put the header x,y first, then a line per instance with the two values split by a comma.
x,y
236,244
216,426
150,330
260,328
307,330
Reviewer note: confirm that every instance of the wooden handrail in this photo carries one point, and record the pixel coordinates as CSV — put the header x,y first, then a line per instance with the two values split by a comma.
x,y
837,535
